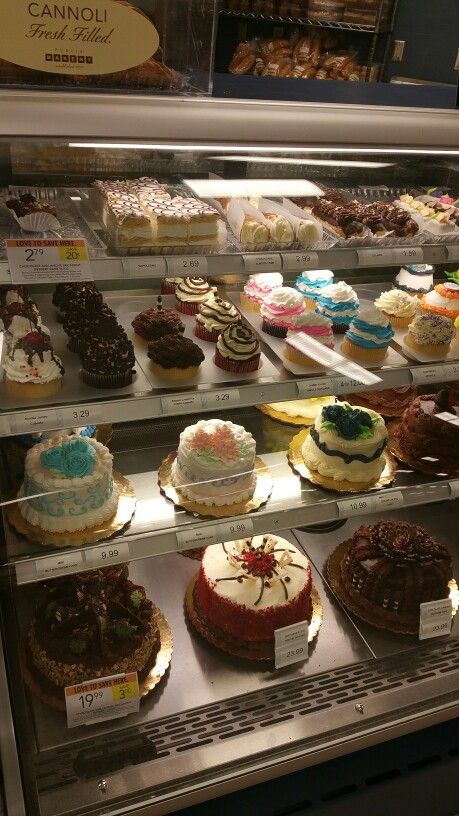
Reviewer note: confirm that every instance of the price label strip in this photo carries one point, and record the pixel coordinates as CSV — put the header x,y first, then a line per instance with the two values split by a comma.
x,y
359,506
108,554
407,255
435,619
197,537
454,488
58,565
266,262
182,265
439,372
300,260
181,403
239,528
291,644
82,414
323,386
105,698
48,261
375,257
144,267
221,399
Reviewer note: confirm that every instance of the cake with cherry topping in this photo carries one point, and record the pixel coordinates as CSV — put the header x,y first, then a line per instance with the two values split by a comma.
x,y
248,588
391,567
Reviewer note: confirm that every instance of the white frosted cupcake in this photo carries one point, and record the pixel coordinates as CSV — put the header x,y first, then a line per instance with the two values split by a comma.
x,y
398,306
32,369
258,287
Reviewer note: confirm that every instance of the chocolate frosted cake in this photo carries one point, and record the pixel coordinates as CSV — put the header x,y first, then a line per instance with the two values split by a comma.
x,y
391,567
107,359
390,402
427,430
175,357
86,304
92,624
157,322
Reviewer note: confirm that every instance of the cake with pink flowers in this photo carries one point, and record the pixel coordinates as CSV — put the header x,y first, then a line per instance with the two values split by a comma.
x,y
215,463
257,287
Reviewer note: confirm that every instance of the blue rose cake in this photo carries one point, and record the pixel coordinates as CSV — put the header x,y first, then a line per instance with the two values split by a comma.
x,y
68,482
346,444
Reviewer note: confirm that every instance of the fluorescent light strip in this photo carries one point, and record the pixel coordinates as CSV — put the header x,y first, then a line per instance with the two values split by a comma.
x,y
175,146
314,162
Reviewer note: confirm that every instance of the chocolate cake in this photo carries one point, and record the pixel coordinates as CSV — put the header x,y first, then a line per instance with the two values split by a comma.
x,y
155,322
27,203
391,567
423,434
92,624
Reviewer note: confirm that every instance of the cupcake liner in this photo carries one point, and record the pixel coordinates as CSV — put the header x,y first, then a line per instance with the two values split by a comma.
x,y
237,366
186,307
174,373
99,380
204,334
168,288
436,350
38,222
274,329
398,322
74,345
296,356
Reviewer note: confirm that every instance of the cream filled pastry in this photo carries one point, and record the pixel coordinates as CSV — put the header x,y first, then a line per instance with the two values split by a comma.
x,y
253,232
346,444
399,306
213,317
281,230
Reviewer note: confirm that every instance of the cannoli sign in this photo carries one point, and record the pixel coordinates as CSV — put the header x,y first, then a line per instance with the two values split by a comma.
x,y
78,37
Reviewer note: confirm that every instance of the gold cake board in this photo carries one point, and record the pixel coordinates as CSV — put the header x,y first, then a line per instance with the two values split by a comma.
x,y
90,535
286,419
261,494
295,458
243,649
429,468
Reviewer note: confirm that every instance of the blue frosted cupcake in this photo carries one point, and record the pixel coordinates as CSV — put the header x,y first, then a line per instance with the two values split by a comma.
x,y
368,336
339,303
312,283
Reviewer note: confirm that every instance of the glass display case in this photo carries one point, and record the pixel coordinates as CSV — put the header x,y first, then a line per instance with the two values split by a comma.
x,y
179,375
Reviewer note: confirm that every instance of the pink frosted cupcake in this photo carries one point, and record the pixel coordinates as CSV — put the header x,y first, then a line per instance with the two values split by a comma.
x,y
279,308
258,287
191,293
308,324
238,349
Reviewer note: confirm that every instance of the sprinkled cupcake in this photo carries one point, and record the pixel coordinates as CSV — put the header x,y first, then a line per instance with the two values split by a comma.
x,y
339,303
311,284
430,334
213,317
368,336
191,293
279,308
258,287
238,349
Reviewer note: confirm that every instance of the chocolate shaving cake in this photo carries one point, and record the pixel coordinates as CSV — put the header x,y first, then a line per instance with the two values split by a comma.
x,y
391,567
92,624
425,431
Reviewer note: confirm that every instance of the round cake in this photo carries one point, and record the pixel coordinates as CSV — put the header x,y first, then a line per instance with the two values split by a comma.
x,y
248,588
423,435
215,463
392,567
77,473
92,624
346,444
390,402
443,300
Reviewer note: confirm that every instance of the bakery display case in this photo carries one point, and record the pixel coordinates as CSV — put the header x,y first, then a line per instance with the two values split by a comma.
x,y
228,435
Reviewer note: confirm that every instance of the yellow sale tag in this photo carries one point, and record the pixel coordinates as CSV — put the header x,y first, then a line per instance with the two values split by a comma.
x,y
126,691
74,251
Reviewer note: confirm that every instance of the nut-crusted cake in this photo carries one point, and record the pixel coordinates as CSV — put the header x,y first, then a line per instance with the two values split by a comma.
x,y
92,624
392,567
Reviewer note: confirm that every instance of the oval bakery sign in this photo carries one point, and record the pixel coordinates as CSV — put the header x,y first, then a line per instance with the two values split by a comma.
x,y
80,37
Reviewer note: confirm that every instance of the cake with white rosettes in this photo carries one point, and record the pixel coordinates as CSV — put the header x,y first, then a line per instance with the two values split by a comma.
x,y
346,444
215,463
68,485
248,588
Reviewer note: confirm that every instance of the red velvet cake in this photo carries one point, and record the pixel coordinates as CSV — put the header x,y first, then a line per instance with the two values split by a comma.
x,y
392,567
422,433
248,588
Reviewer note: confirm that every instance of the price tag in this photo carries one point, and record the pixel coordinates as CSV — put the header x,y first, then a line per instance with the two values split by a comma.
x,y
370,504
300,260
267,262
435,372
221,399
435,254
4,427
181,403
320,387
239,528
196,537
375,257
105,698
291,644
341,385
354,507
82,415
453,253
436,618
35,421
454,488
183,265
58,565
407,255
149,266
108,554
387,500
46,261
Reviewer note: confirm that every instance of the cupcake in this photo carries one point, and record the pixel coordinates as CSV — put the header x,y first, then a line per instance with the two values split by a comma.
x,y
339,303
107,360
66,295
416,279
213,317
368,336
174,357
258,287
398,306
156,322
443,300
308,324
431,334
279,308
238,349
19,319
13,294
190,293
169,285
32,369
86,305
311,284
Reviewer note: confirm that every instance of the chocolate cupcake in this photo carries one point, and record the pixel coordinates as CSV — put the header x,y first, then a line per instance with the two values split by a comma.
x,y
107,360
85,308
67,295
175,357
156,322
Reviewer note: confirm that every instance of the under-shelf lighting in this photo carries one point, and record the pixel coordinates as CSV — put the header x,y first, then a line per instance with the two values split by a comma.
x,y
313,162
263,148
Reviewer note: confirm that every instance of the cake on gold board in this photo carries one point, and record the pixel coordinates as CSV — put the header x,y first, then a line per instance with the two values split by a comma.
x,y
296,412
248,588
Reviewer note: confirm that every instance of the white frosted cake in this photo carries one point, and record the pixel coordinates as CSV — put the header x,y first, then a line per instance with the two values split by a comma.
x,y
77,473
215,463
347,443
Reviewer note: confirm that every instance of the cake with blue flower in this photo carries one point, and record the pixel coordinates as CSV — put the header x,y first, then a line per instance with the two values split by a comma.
x,y
368,336
346,445
68,485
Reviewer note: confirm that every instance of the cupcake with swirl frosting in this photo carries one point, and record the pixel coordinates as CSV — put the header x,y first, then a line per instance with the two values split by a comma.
x,y
368,336
213,317
191,293
339,303
398,306
238,349
258,287
279,309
